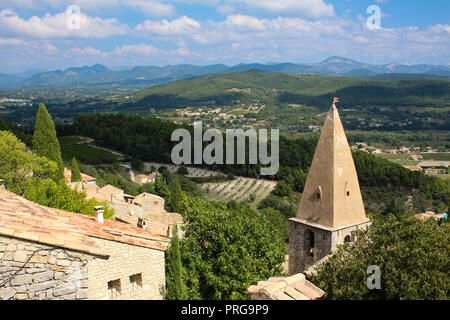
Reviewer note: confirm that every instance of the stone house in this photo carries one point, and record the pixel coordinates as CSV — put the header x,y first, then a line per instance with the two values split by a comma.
x,y
143,178
413,168
404,149
377,151
435,167
416,157
86,180
147,211
392,151
48,253
149,202
144,211
158,222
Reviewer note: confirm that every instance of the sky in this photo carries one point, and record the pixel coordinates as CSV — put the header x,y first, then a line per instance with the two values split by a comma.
x,y
58,34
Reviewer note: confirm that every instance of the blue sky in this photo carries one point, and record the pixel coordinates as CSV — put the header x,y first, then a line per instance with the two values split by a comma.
x,y
117,33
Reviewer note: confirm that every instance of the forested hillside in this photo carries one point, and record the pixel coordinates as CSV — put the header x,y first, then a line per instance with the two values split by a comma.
x,y
385,185
273,87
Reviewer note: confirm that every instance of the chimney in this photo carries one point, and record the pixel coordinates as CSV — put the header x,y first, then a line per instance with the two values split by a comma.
x,y
98,214
141,223
2,183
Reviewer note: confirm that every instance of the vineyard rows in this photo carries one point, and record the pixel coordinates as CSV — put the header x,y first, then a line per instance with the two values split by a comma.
x,y
238,189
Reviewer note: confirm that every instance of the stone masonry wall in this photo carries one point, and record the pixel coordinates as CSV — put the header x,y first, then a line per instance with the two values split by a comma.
x,y
324,243
299,261
127,260
338,236
51,273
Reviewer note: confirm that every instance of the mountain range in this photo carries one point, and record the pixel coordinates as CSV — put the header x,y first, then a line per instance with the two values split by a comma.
x,y
141,76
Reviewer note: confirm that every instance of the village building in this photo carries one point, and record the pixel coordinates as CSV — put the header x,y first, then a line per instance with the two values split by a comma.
x,y
404,149
331,208
144,211
78,185
362,144
435,167
416,157
413,168
377,151
144,178
49,253
431,215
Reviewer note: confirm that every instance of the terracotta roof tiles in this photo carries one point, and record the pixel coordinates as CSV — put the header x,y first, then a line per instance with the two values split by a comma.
x,y
24,219
294,287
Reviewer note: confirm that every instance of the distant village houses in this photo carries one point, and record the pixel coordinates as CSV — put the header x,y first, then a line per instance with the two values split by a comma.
x,y
145,210
144,178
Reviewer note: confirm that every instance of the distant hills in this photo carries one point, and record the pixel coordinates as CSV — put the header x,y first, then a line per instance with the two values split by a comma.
x,y
6,80
274,87
142,76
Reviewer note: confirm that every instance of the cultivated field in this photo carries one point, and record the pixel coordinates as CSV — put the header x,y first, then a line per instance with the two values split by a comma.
x,y
85,151
238,189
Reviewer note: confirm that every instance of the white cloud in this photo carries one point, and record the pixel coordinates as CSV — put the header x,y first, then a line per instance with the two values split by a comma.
x,y
246,22
180,26
166,8
87,51
56,26
141,49
151,8
27,4
236,38
303,8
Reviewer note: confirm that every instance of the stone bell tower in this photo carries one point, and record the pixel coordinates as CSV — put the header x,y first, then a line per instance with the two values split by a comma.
x,y
331,207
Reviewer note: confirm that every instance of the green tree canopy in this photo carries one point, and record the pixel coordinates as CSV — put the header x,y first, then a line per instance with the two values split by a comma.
x,y
17,162
175,197
282,189
412,257
30,176
182,171
161,187
58,195
76,174
227,248
45,142
175,287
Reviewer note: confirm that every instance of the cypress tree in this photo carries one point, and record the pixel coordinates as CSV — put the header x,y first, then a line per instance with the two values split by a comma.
x,y
76,174
45,142
161,188
175,287
175,195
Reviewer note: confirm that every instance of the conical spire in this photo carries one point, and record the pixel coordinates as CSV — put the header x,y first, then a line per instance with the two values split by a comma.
x,y
331,196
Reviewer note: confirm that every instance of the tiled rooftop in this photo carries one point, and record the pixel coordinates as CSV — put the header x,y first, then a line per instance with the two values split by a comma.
x,y
110,190
294,287
145,196
85,177
23,219
156,221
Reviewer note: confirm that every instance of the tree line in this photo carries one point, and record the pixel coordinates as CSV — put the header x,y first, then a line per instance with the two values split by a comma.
x,y
148,139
